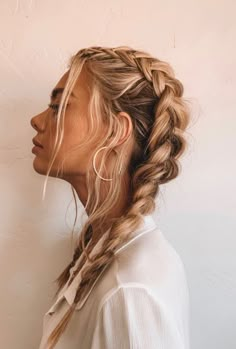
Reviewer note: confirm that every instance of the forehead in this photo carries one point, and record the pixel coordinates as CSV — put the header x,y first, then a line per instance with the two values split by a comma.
x,y
81,87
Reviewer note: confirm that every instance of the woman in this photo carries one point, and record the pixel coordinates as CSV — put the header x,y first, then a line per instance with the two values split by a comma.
x,y
115,130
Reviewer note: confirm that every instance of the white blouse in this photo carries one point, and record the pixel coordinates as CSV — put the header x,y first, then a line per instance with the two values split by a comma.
x,y
140,301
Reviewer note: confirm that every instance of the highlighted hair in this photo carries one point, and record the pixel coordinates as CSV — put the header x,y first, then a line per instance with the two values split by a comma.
x,y
123,79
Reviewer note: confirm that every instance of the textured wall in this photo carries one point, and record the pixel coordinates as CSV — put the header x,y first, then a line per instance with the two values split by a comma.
x,y
197,210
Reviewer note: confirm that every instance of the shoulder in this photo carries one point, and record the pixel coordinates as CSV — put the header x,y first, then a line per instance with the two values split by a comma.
x,y
131,316
148,298
127,293
151,260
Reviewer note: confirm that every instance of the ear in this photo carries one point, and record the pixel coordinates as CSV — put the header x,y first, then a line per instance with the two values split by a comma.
x,y
128,126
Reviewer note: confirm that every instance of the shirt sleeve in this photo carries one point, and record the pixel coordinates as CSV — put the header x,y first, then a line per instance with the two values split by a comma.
x,y
131,317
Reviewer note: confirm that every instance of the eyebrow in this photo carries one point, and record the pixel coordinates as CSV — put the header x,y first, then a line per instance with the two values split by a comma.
x,y
56,91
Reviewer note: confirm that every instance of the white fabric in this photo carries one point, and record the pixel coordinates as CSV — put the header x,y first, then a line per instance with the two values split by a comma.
x,y
141,300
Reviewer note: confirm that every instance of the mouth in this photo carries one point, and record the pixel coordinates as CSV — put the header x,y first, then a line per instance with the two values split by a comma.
x,y
36,143
36,149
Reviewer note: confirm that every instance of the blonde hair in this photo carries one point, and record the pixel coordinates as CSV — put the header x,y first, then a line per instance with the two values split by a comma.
x,y
123,79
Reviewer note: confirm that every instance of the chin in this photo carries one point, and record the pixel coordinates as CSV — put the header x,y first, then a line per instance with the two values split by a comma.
x,y
39,167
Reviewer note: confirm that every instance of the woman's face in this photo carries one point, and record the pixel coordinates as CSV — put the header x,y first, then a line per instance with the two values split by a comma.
x,y
75,129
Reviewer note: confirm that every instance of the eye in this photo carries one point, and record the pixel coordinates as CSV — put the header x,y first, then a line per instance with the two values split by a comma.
x,y
54,107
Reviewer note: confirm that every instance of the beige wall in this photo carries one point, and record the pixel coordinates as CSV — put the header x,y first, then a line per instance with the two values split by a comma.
x,y
197,210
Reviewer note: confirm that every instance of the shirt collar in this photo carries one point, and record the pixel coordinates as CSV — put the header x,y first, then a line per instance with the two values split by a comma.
x,y
148,224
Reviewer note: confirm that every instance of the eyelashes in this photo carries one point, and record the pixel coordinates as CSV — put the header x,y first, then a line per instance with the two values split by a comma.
x,y
54,107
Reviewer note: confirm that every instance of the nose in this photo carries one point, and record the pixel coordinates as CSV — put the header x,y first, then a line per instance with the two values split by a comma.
x,y
33,124
37,122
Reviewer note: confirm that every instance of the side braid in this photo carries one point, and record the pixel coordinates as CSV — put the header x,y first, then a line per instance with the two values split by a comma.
x,y
165,144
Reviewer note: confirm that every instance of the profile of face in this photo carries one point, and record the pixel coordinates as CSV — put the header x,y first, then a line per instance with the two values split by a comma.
x,y
75,157
71,156
75,129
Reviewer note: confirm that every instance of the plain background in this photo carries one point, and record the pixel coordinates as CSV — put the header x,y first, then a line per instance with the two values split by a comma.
x,y
196,211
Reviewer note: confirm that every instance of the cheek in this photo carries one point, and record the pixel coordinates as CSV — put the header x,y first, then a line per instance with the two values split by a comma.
x,y
51,136
75,132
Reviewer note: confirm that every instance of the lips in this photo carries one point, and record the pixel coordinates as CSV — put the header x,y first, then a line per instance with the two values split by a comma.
x,y
37,143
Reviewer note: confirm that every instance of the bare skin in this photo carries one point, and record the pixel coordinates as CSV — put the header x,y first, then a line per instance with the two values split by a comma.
x,y
75,128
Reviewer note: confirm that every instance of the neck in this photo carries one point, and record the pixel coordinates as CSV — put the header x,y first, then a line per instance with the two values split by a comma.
x,y
123,203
